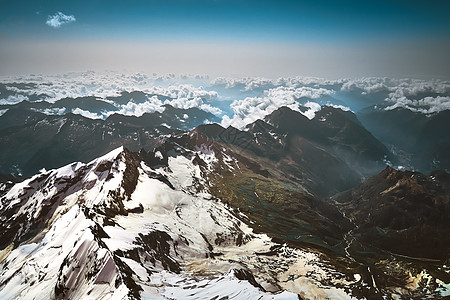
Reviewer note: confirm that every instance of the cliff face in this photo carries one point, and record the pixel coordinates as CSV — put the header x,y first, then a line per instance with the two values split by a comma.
x,y
402,212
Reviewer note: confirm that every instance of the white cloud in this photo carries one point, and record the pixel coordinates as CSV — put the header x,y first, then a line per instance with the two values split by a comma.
x,y
138,109
86,114
249,83
185,103
423,96
254,83
212,109
110,84
184,91
414,87
51,111
182,96
341,107
251,109
255,97
307,81
187,96
427,105
313,108
59,19
400,87
368,85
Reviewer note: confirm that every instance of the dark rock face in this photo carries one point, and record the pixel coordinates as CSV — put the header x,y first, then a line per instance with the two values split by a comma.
x,y
337,132
9,179
247,275
171,117
125,97
157,245
421,141
329,153
402,212
30,140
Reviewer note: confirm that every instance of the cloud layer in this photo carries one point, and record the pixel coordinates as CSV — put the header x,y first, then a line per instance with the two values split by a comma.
x,y
239,101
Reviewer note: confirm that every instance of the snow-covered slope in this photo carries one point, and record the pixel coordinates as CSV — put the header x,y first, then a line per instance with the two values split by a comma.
x,y
116,228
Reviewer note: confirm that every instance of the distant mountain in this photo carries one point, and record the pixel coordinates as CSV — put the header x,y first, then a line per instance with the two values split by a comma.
x,y
30,140
421,141
330,153
66,105
339,133
293,157
91,104
18,117
171,117
10,89
136,97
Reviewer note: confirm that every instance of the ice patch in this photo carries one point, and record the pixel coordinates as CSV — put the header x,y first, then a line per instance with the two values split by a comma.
x,y
159,155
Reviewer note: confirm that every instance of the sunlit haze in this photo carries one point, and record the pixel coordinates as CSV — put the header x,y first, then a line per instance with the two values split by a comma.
x,y
217,37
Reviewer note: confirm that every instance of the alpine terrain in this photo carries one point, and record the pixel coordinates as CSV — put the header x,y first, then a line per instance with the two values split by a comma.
x,y
162,193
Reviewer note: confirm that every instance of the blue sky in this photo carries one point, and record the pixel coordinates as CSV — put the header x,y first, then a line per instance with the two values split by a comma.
x,y
301,28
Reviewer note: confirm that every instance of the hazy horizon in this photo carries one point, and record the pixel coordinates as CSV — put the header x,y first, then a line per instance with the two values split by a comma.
x,y
228,38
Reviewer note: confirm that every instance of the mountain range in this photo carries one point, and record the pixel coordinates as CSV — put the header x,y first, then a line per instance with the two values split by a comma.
x,y
173,205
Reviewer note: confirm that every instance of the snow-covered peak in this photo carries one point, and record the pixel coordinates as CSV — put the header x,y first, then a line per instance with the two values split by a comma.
x,y
117,228
110,156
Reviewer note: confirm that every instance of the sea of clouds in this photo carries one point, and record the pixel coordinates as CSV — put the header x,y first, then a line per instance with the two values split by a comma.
x,y
238,101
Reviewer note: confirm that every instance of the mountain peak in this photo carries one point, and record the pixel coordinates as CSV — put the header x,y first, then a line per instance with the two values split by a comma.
x,y
89,236
210,130
112,155
283,116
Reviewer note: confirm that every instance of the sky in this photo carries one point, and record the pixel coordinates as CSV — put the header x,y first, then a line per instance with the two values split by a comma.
x,y
331,39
